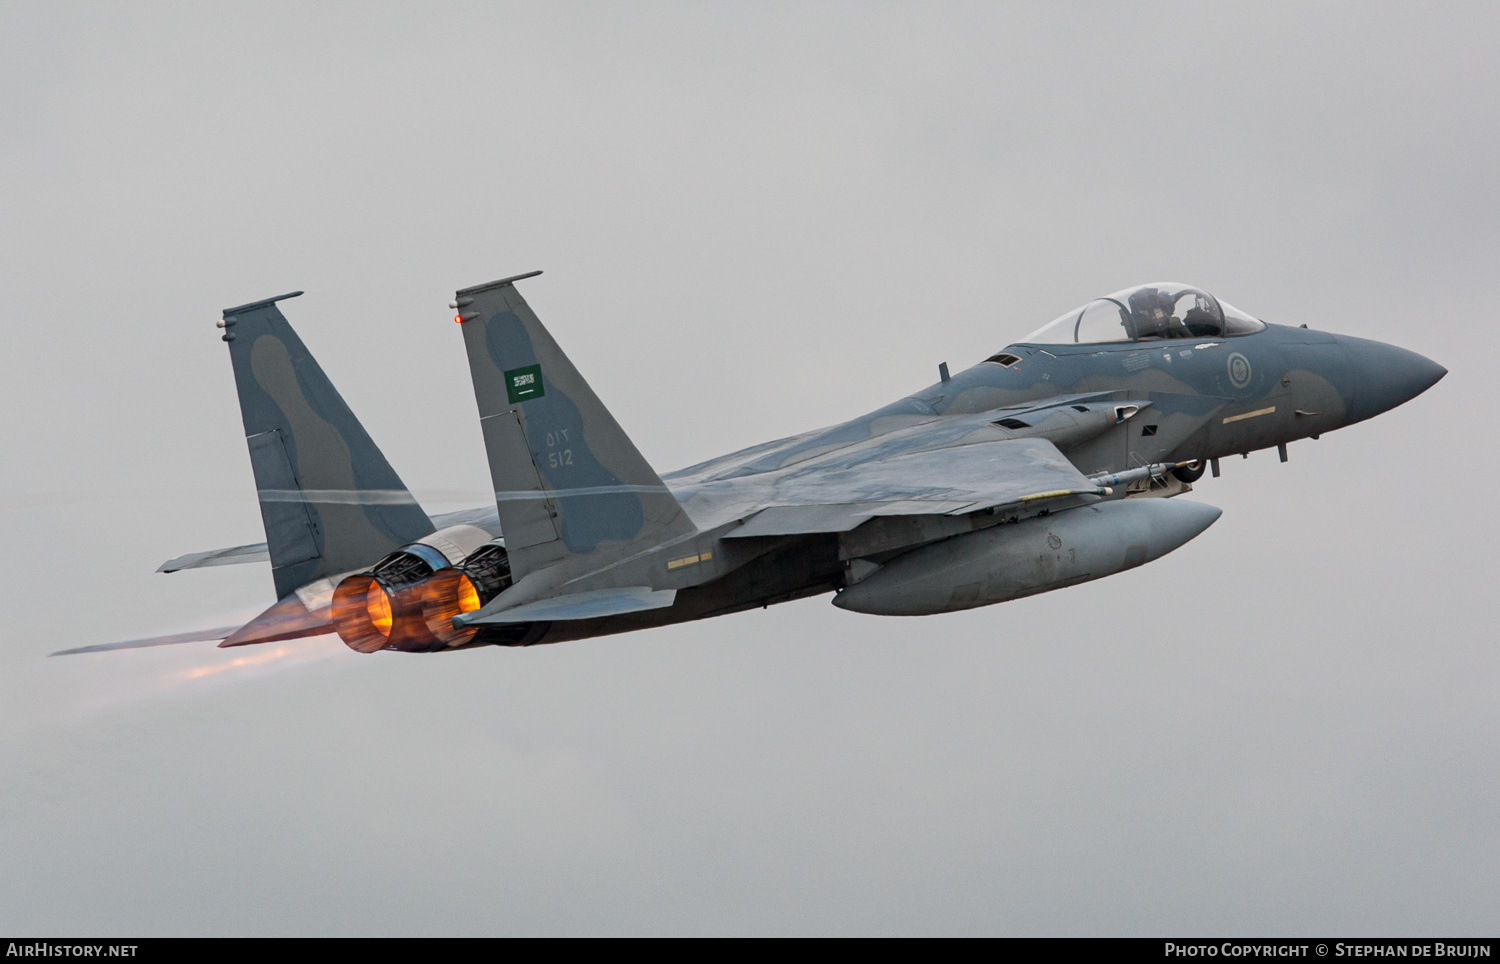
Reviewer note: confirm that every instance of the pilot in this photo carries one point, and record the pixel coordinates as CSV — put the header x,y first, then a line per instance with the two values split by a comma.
x,y
1201,320
1152,310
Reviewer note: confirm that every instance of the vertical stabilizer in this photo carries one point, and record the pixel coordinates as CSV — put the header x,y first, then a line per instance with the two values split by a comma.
x,y
329,499
568,481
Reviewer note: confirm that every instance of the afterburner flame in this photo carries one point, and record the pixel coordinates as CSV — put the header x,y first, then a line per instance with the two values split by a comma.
x,y
378,605
444,596
468,596
362,614
416,618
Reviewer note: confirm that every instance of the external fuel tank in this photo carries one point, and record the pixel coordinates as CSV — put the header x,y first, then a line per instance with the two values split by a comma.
x,y
1007,562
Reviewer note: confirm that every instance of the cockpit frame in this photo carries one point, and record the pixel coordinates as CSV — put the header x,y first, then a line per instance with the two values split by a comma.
x,y
1146,313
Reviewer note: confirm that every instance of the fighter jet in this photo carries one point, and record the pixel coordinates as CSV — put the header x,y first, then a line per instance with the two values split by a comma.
x,y
1051,463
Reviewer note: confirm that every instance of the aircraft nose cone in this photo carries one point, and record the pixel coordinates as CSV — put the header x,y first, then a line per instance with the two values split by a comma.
x,y
1387,376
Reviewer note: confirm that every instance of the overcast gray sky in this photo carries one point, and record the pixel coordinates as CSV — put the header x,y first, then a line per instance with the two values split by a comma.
x,y
755,219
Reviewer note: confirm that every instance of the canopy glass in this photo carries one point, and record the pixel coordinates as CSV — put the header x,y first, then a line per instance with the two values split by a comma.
x,y
1147,312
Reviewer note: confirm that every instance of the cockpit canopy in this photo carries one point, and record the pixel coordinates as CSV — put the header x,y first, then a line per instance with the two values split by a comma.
x,y
1147,313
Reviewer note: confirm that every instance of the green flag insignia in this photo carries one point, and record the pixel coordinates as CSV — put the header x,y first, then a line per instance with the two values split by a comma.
x,y
523,384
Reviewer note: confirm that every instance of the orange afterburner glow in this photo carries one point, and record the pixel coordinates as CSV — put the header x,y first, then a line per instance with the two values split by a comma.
x,y
378,605
468,596
416,618
444,596
458,319
362,614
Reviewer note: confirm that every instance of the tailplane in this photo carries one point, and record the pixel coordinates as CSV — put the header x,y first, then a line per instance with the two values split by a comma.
x,y
330,501
568,480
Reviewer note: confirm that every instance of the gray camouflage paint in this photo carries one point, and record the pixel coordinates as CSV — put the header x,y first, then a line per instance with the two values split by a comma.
x,y
567,479
936,464
330,501
1004,441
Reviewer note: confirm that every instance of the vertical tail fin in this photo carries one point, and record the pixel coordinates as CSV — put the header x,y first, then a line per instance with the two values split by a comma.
x,y
329,499
568,481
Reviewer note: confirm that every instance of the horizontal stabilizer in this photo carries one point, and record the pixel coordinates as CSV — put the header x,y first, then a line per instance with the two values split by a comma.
x,y
232,556
583,605
197,636
306,612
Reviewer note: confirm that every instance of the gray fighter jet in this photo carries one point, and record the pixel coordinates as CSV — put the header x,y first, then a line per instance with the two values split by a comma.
x,y
1048,464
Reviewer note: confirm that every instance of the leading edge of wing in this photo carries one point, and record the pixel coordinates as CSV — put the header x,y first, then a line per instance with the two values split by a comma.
x,y
792,520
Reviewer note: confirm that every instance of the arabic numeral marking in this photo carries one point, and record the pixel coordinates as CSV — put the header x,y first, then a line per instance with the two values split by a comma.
x,y
557,457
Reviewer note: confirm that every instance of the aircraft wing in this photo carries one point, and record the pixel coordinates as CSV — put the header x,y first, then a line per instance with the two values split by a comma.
x,y
234,555
837,494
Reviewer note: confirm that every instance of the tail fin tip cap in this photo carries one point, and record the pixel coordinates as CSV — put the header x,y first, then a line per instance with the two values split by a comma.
x,y
260,304
498,284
